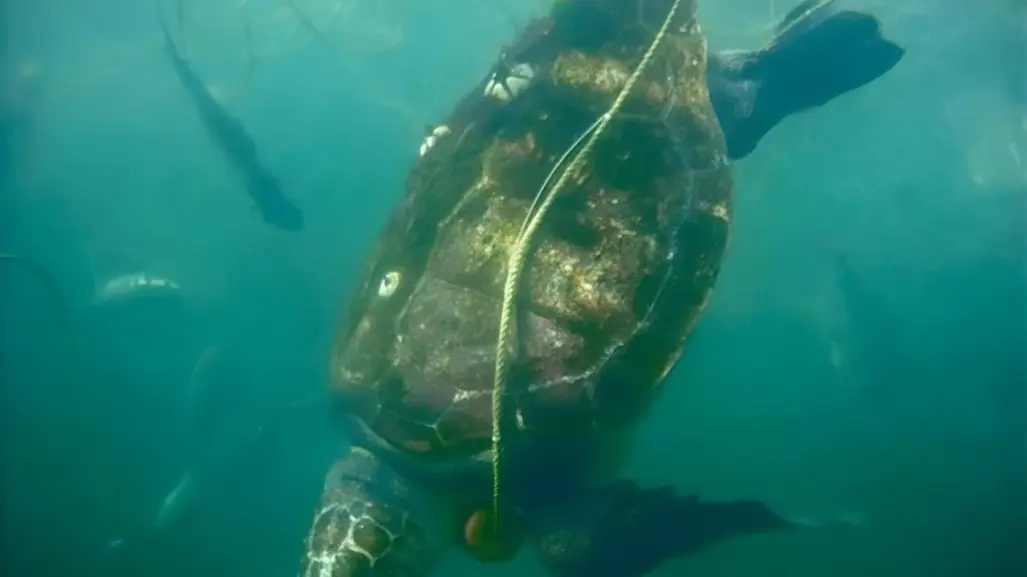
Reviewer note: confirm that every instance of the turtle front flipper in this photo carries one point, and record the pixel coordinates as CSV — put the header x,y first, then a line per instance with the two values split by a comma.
x,y
622,530
819,52
371,523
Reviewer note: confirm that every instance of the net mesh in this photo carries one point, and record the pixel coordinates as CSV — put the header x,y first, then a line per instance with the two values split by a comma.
x,y
226,41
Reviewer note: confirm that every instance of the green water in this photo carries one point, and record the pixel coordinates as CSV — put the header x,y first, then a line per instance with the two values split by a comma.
x,y
920,178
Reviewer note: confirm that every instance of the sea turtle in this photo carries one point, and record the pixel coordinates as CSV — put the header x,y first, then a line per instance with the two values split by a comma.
x,y
617,276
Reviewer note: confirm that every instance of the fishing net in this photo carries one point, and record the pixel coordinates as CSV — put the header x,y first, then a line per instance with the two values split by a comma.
x,y
226,41
275,28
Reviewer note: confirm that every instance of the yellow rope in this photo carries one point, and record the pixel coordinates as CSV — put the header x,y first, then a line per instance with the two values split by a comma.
x,y
515,265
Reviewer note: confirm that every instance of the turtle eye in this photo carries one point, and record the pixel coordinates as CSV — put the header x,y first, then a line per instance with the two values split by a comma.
x,y
390,282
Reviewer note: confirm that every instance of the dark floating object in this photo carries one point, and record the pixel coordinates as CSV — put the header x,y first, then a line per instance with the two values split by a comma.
x,y
236,144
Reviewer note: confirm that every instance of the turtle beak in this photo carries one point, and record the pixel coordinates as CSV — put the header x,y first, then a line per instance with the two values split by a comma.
x,y
368,524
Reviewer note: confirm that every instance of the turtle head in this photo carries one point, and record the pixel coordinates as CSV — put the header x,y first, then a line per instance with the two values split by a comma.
x,y
370,523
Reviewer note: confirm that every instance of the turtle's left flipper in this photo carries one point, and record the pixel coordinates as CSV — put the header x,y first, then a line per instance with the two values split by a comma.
x,y
622,530
820,51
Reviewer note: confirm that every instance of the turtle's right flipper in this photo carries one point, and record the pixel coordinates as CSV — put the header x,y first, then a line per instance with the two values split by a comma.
x,y
822,51
622,530
819,52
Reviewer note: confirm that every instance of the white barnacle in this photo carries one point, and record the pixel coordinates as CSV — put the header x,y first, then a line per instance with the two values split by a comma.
x,y
390,282
427,144
433,138
520,77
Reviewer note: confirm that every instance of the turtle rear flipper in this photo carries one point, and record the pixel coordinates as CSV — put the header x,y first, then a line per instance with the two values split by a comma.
x,y
819,52
622,530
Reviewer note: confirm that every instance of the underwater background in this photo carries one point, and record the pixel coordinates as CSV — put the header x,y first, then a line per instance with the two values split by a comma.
x,y
901,407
